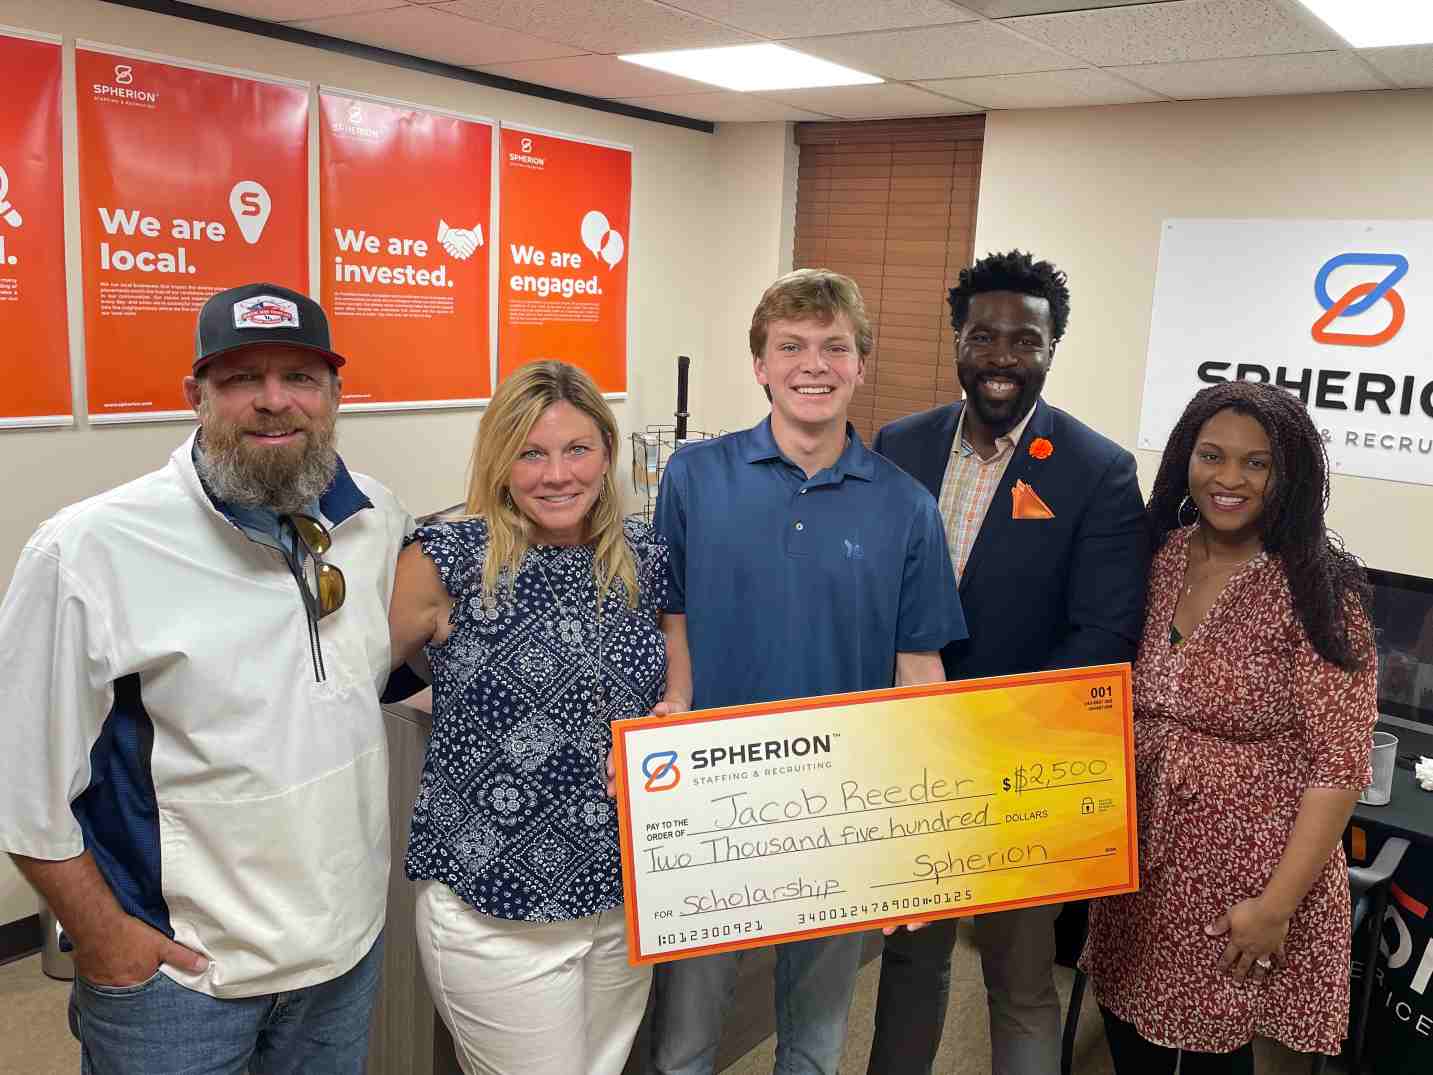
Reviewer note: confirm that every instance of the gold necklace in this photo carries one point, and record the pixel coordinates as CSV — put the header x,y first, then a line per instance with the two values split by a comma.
x,y
1220,569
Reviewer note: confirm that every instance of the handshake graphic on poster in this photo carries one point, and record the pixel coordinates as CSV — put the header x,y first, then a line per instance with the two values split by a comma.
x,y
461,243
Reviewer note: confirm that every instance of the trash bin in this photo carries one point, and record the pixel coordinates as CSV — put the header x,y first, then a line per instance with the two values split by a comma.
x,y
55,947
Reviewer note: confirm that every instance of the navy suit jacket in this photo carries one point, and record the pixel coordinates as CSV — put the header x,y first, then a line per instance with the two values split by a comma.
x,y
1042,593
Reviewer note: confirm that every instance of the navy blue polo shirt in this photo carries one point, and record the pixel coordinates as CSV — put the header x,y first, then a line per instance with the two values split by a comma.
x,y
796,586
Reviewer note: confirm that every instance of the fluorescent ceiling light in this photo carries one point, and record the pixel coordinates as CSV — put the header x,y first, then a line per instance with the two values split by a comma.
x,y
753,67
1371,24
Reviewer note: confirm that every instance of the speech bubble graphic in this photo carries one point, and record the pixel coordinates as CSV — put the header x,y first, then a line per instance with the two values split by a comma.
x,y
250,203
613,249
594,230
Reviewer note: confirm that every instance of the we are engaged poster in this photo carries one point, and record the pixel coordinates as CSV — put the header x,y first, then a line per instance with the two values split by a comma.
x,y
191,181
566,211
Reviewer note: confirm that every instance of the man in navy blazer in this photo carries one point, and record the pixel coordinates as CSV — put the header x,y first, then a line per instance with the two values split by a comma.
x,y
1047,535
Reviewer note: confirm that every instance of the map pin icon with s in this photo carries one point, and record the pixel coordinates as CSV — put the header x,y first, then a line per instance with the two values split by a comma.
x,y
250,203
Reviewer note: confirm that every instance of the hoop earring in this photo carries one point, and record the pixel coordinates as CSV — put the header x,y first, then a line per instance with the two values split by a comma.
x,y
1179,513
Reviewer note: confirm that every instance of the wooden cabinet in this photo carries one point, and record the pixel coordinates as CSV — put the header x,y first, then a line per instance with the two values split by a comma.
x,y
407,1037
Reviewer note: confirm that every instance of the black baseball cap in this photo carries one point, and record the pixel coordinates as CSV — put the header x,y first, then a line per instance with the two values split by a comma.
x,y
260,313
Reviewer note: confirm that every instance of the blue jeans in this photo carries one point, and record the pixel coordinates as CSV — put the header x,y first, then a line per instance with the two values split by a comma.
x,y
161,1028
814,981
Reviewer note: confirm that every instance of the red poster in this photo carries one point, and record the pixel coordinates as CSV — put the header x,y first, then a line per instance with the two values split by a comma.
x,y
34,323
406,218
190,182
566,210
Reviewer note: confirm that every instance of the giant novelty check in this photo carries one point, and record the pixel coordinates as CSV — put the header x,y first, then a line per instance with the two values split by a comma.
x,y
758,824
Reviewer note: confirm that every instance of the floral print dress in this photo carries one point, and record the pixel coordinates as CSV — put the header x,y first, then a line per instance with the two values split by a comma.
x,y
1231,726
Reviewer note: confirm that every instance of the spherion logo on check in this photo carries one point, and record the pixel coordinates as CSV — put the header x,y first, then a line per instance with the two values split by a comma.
x,y
660,769
1359,299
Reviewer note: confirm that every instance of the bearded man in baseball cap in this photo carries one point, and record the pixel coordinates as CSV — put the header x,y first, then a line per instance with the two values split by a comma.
x,y
197,776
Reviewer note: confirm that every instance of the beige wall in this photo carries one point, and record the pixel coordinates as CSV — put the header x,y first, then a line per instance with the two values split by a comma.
x,y
1088,188
753,220
693,194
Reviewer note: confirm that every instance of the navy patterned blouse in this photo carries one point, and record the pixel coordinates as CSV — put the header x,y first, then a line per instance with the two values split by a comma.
x,y
512,811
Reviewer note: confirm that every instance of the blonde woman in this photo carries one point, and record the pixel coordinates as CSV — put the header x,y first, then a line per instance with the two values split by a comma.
x,y
538,613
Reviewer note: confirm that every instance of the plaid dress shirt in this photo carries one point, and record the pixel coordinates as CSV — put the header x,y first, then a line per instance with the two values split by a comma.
x,y
969,486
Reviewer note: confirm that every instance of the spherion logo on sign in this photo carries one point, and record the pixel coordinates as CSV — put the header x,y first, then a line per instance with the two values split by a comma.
x,y
355,124
526,158
660,769
1359,299
119,90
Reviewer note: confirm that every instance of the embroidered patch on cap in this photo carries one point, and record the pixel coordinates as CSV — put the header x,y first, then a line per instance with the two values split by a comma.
x,y
266,311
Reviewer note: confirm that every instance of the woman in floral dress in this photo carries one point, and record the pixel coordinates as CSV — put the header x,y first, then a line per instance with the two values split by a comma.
x,y
1254,695
539,614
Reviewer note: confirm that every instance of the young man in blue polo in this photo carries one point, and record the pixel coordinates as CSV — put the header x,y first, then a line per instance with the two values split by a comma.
x,y
802,564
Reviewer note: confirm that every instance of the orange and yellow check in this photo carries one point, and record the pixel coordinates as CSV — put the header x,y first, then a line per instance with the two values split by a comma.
x,y
758,824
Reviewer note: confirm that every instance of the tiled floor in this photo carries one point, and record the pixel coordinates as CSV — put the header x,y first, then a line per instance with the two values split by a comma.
x,y
34,1031
35,1038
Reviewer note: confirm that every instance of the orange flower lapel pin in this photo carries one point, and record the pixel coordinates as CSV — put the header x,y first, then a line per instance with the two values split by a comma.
x,y
1041,448
1025,503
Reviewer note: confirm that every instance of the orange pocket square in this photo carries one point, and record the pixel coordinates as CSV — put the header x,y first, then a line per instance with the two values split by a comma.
x,y
1026,503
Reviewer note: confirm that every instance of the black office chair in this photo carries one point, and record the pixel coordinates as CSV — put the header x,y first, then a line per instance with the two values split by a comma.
x,y
1368,887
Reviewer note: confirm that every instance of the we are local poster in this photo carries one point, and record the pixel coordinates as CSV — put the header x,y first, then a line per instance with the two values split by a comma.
x,y
406,220
36,386
566,210
191,181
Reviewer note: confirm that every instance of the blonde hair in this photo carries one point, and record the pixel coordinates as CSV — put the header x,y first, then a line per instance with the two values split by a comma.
x,y
811,295
517,405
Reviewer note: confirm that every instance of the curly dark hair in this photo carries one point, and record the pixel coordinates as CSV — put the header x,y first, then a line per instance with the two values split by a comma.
x,y
1016,272
1322,574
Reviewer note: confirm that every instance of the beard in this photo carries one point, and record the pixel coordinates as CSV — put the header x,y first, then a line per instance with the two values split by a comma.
x,y
282,479
1000,418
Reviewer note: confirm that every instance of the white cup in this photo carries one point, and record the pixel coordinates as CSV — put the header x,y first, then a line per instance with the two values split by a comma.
x,y
1383,755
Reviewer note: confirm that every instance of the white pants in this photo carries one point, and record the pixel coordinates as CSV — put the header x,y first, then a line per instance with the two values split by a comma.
x,y
530,998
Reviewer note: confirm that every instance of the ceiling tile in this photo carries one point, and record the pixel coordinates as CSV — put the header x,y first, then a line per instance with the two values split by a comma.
x,y
962,50
1410,66
1003,9
294,10
604,25
797,18
726,107
1179,30
434,34
597,76
888,100
1043,89
1255,76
